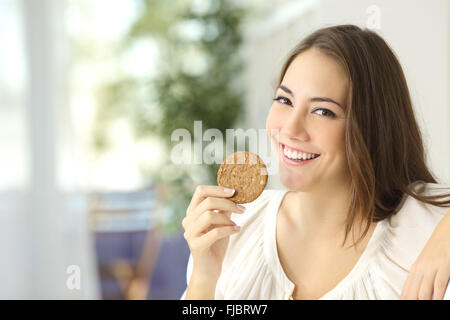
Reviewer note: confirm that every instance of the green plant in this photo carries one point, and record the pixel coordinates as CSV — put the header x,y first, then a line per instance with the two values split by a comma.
x,y
197,78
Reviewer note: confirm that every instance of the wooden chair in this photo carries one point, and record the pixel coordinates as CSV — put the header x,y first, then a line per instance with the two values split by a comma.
x,y
128,212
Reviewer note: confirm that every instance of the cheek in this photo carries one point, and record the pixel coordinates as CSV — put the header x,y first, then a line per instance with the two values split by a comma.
x,y
332,139
274,123
339,138
329,137
274,119
270,121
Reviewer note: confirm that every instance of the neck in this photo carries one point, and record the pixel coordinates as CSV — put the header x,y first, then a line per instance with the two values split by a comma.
x,y
321,213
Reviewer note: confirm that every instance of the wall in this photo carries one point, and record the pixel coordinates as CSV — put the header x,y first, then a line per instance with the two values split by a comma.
x,y
419,33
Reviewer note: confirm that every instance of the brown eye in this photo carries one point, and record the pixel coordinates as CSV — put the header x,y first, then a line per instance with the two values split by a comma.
x,y
283,100
324,112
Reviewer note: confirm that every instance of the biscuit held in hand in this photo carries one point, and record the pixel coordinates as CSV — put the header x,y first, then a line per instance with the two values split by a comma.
x,y
244,172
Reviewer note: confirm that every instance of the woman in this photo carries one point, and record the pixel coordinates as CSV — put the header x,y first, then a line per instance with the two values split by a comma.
x,y
359,212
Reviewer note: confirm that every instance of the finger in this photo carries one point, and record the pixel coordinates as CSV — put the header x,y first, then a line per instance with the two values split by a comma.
x,y
426,286
413,291
225,213
406,290
212,203
187,220
412,284
406,287
441,282
215,234
204,191
208,219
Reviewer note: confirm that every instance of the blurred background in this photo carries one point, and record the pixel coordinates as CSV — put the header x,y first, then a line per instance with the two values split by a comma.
x,y
91,91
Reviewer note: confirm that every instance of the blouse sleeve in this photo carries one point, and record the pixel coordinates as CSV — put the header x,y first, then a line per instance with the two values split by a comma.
x,y
400,241
252,227
447,293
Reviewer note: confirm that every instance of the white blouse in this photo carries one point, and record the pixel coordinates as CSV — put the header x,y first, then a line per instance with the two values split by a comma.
x,y
252,270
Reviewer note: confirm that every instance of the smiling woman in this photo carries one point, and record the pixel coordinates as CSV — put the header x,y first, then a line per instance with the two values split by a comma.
x,y
383,150
351,153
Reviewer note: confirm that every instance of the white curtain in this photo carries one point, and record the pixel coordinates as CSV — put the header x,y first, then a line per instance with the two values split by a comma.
x,y
45,244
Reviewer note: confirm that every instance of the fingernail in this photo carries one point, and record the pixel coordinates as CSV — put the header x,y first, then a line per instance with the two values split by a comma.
x,y
236,228
241,208
228,190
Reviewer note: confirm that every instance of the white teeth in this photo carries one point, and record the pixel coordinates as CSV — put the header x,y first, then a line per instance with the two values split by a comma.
x,y
298,155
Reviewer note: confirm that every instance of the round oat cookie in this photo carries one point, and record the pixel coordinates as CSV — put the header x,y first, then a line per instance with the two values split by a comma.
x,y
244,172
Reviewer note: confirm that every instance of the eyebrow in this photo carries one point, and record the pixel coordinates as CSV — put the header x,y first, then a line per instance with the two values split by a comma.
x,y
315,99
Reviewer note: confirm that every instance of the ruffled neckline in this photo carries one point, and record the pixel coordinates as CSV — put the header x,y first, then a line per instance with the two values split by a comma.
x,y
273,260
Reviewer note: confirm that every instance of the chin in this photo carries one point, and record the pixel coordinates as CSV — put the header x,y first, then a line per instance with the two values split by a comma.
x,y
294,182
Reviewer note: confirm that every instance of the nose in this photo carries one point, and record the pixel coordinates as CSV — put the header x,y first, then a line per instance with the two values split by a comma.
x,y
295,126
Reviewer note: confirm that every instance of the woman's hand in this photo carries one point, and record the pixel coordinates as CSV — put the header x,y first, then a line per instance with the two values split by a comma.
x,y
207,228
430,273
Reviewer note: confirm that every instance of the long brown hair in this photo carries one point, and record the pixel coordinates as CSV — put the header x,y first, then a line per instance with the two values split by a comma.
x,y
384,147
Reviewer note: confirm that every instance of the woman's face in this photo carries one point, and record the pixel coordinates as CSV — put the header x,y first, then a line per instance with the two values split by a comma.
x,y
308,116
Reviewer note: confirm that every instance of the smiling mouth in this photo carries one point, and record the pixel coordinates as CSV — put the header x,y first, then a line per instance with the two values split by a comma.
x,y
297,155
